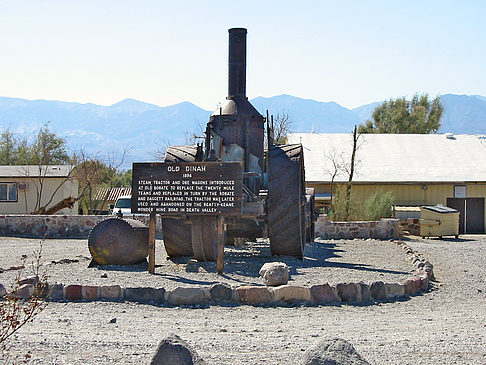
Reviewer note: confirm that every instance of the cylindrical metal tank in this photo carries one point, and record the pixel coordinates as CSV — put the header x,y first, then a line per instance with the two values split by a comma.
x,y
117,241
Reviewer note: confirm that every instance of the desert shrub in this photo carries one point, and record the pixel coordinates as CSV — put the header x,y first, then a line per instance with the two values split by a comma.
x,y
378,205
339,208
15,312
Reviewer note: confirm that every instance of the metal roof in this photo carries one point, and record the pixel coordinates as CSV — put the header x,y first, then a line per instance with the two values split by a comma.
x,y
395,158
35,170
114,194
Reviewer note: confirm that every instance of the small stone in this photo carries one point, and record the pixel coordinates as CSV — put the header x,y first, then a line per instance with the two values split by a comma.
x,y
291,294
90,292
324,294
221,292
73,292
145,295
254,295
111,292
275,273
33,279
24,291
185,296
56,292
394,290
174,350
412,285
424,282
332,351
349,292
378,290
3,291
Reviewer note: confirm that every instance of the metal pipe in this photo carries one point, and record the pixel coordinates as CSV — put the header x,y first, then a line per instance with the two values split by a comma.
x,y
237,63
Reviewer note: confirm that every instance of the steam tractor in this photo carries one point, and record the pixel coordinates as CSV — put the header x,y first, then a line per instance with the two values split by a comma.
x,y
274,198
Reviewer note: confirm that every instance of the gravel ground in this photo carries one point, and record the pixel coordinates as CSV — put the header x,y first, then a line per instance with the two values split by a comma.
x,y
325,261
446,325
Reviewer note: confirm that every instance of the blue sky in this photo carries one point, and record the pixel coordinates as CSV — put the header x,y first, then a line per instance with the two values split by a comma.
x,y
165,52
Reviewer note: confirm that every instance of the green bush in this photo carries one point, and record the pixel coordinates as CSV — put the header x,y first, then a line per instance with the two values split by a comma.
x,y
378,206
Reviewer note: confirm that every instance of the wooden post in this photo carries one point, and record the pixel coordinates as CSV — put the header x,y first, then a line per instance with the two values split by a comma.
x,y
151,243
221,240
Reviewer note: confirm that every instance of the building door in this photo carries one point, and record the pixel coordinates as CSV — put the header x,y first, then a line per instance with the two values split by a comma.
x,y
471,217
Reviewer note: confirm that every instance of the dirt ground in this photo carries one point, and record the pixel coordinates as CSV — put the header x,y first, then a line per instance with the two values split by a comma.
x,y
446,325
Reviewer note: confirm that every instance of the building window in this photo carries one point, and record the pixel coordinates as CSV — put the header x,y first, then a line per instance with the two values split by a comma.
x,y
8,192
460,191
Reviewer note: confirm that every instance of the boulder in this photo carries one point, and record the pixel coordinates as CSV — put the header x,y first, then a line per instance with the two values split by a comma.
x,y
174,350
275,273
332,351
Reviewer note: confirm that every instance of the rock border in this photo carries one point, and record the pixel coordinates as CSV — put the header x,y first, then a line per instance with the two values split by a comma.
x,y
223,294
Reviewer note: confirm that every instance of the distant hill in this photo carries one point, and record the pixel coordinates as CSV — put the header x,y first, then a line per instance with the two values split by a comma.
x,y
309,114
144,127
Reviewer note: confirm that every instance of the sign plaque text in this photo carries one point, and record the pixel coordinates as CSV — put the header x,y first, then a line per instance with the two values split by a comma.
x,y
187,188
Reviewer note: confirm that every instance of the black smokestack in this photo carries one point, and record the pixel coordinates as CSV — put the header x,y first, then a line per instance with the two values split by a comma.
x,y
237,63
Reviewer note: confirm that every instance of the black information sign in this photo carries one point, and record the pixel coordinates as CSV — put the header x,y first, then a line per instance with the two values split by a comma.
x,y
190,188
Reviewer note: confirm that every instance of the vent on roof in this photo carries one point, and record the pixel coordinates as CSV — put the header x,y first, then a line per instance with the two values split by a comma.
x,y
449,135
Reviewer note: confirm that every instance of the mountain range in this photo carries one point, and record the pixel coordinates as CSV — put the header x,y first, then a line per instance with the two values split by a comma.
x,y
145,128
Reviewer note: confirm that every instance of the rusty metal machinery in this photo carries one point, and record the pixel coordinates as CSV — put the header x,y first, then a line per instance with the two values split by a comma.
x,y
117,241
275,200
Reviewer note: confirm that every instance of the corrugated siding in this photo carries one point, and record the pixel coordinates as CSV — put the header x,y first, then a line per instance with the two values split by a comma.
x,y
114,194
414,195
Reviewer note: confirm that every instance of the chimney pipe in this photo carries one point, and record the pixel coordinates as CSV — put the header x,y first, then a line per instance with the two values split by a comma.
x,y
237,63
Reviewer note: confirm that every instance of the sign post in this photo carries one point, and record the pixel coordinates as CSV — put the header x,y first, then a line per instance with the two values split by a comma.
x,y
193,190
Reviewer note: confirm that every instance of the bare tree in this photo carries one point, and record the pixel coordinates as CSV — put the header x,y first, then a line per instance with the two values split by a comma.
x,y
282,125
335,167
114,162
159,152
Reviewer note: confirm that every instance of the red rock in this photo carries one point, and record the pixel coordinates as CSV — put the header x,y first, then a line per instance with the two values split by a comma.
x,y
73,292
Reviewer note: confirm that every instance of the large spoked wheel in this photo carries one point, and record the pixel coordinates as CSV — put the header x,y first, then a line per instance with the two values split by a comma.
x,y
286,201
177,237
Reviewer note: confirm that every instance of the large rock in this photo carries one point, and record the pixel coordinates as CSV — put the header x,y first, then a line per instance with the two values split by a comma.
x,y
333,351
173,350
275,273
